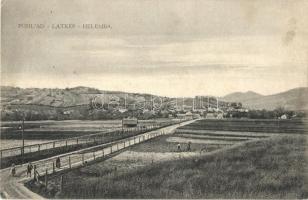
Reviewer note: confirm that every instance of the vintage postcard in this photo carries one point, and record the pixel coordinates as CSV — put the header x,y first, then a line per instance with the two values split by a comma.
x,y
154,99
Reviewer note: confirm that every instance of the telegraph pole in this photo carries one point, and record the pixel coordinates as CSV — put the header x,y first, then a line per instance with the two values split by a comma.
x,y
193,108
125,101
152,103
23,140
122,126
208,102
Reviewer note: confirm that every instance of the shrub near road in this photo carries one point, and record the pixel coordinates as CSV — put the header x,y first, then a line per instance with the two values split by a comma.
x,y
269,168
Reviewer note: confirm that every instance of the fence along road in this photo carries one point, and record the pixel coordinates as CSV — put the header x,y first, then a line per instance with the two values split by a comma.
x,y
75,141
12,187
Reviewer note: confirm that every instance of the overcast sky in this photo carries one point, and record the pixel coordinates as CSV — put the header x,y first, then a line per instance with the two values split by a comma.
x,y
170,48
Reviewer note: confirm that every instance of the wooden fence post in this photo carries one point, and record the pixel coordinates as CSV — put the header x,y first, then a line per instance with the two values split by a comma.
x,y
69,162
77,141
54,144
39,147
46,178
34,170
103,153
66,143
139,139
82,158
61,183
53,167
124,144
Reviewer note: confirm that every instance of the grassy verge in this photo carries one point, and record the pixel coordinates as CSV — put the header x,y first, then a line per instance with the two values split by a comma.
x,y
269,168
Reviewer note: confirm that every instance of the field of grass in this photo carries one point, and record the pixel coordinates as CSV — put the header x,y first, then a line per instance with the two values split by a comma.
x,y
44,135
53,130
268,168
252,125
161,145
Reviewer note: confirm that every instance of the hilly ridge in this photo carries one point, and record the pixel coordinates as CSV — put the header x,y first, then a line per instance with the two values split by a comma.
x,y
242,96
294,99
77,103
71,103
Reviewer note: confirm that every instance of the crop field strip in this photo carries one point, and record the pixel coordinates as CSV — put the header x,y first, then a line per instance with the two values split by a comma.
x,y
209,137
270,126
224,133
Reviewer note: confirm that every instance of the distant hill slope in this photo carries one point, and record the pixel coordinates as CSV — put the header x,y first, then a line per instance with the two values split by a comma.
x,y
294,99
49,97
241,96
57,97
71,103
89,103
81,96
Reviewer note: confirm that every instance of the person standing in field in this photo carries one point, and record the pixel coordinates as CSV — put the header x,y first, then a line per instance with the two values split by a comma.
x,y
179,147
29,169
188,146
58,162
13,170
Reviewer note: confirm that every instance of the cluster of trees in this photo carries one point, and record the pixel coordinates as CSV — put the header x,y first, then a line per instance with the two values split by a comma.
x,y
75,113
236,105
266,114
104,112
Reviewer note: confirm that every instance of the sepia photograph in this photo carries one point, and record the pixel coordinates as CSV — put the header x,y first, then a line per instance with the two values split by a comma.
x,y
154,99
